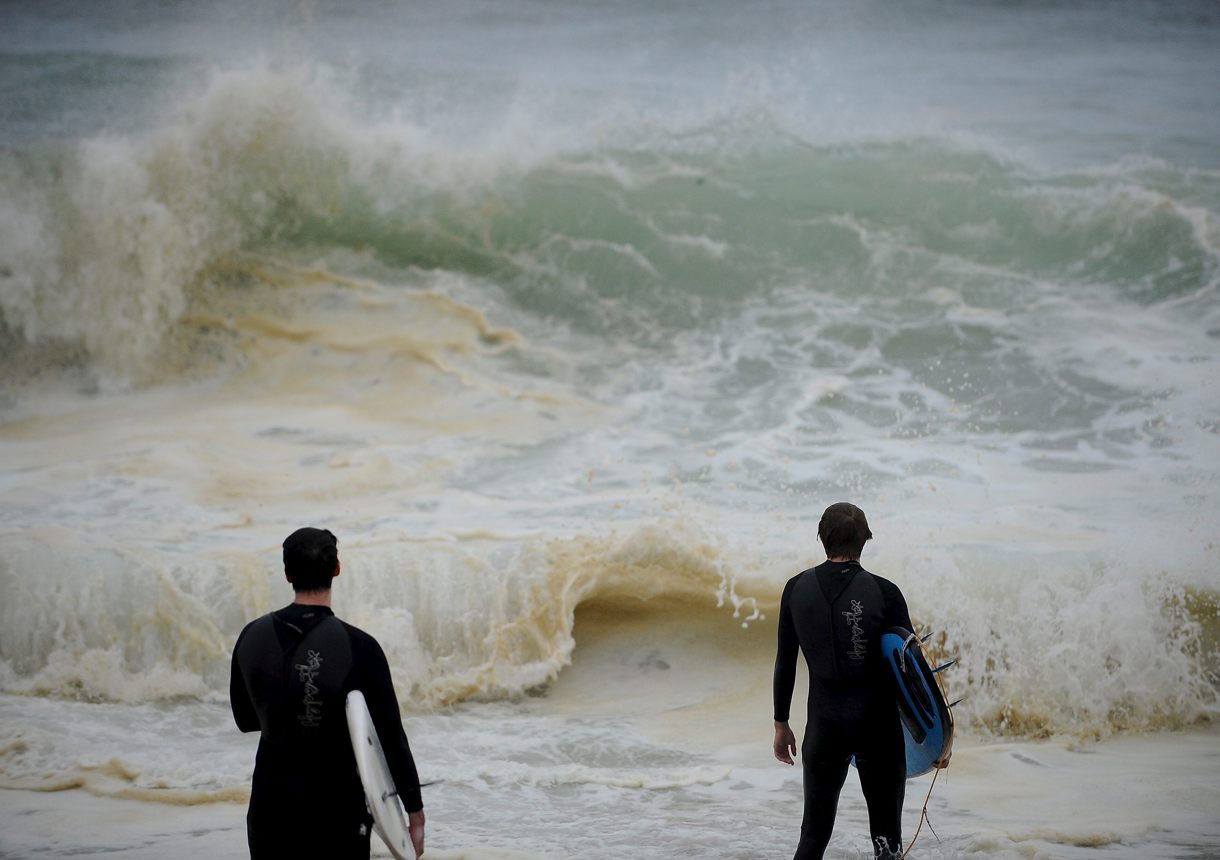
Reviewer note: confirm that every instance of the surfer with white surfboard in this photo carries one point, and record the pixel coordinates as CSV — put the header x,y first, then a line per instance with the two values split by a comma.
x,y
837,614
293,671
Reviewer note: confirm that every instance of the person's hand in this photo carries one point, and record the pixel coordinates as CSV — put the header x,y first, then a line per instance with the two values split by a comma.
x,y
415,825
943,762
784,745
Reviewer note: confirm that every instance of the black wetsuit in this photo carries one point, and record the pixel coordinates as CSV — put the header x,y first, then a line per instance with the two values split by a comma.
x,y
835,613
292,671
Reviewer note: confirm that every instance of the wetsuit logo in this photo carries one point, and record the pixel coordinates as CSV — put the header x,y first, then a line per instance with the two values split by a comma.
x,y
859,644
308,673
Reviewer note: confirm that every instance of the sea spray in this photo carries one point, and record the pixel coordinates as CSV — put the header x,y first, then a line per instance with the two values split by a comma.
x,y
107,240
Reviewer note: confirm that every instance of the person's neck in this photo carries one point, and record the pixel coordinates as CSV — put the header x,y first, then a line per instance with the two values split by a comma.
x,y
838,558
313,598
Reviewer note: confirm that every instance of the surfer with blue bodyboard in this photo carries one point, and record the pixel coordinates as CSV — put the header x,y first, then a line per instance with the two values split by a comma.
x,y
292,672
836,615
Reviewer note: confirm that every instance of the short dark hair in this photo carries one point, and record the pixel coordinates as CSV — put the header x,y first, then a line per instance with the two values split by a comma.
x,y
843,530
310,559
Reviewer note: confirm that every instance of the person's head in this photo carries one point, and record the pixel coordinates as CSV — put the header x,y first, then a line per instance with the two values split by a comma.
x,y
843,531
311,559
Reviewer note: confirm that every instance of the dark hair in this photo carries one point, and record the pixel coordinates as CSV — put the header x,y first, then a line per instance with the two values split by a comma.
x,y
843,531
310,559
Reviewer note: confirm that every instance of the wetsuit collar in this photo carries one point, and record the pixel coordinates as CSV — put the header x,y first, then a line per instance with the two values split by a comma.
x,y
304,610
301,617
838,575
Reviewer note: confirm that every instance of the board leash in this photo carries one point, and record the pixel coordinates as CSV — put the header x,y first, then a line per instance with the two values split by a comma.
x,y
923,816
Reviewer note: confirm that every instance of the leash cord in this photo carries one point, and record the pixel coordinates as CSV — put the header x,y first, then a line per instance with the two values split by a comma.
x,y
923,816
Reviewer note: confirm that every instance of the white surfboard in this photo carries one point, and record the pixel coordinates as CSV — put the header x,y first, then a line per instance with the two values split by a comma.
x,y
379,793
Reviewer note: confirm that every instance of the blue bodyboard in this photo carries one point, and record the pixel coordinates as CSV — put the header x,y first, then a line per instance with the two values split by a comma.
x,y
927,721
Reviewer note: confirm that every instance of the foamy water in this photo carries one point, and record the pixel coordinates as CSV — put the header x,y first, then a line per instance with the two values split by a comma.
x,y
570,348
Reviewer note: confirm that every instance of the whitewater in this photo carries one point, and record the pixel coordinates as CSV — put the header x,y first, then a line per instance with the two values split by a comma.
x,y
569,322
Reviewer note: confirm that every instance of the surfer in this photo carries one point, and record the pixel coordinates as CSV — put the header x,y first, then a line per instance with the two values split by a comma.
x,y
292,670
835,614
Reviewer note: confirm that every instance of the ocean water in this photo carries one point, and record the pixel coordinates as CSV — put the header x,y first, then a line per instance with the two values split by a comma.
x,y
569,320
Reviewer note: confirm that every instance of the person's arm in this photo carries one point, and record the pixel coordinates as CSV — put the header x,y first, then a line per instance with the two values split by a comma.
x,y
788,646
378,689
899,616
244,713
374,681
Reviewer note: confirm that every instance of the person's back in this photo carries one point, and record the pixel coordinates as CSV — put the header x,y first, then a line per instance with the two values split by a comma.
x,y
292,671
838,611
834,614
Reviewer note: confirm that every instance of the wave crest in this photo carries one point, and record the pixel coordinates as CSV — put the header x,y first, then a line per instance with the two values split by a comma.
x,y
104,245
1066,650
